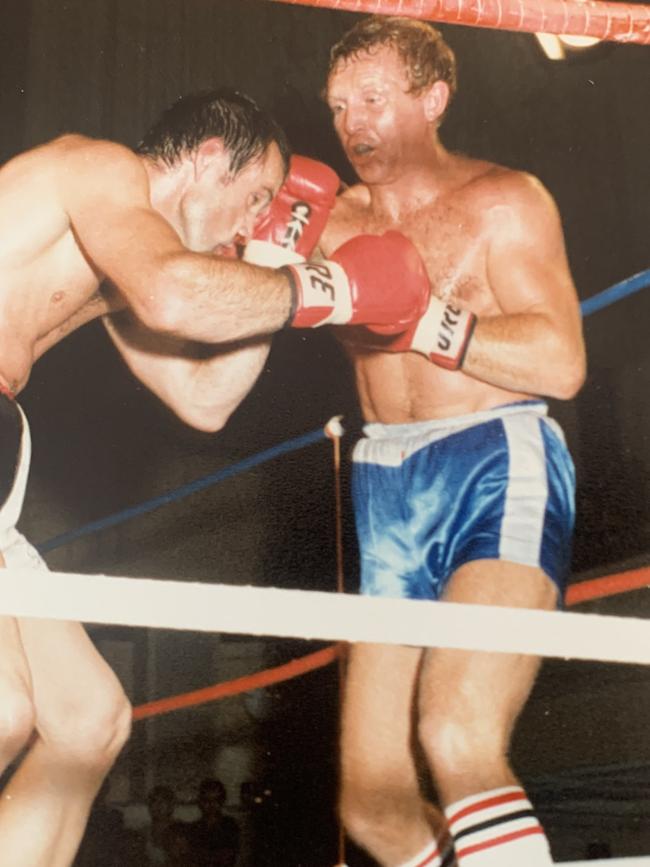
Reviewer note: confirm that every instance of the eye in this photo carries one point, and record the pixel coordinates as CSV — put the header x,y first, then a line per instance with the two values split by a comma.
x,y
258,201
337,108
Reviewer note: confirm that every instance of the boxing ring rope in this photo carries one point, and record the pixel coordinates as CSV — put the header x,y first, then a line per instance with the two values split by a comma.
x,y
318,615
184,491
580,592
577,593
128,601
268,677
616,22
596,302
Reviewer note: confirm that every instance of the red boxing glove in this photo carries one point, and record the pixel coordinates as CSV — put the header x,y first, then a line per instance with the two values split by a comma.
x,y
442,334
374,280
289,231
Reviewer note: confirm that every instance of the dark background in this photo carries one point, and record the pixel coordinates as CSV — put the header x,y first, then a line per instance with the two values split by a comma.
x,y
102,443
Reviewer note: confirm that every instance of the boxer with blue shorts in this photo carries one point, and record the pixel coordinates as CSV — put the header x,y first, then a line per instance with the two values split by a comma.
x,y
463,489
430,496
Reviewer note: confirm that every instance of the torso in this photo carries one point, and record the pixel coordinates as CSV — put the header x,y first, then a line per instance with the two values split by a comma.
x,y
47,285
450,231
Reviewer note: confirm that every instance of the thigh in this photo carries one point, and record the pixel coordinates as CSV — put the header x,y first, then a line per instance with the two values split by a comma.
x,y
484,692
14,669
377,721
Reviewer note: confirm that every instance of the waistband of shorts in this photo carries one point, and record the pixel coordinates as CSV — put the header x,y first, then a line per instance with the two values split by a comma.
x,y
377,430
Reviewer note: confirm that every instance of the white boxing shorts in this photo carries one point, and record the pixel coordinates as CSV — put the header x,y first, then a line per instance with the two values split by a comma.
x,y
15,455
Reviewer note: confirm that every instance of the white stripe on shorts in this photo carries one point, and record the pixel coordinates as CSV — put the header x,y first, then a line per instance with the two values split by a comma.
x,y
527,494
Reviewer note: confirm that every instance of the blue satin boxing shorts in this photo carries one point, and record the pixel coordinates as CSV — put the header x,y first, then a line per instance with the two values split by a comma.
x,y
430,496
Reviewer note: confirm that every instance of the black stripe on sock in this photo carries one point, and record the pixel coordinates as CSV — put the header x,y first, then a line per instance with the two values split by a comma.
x,y
449,858
491,823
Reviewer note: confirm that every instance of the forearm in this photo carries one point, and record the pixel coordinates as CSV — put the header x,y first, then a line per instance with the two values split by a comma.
x,y
211,299
203,384
527,352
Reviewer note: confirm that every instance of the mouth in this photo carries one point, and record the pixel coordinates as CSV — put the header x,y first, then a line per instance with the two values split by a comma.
x,y
360,149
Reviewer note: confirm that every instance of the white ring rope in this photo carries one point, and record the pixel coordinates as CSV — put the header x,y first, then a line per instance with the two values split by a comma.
x,y
316,615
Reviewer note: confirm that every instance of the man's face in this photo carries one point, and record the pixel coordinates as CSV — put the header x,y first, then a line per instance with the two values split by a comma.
x,y
211,804
382,127
221,208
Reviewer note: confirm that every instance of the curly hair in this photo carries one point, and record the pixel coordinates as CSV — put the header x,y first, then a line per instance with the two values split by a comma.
x,y
425,53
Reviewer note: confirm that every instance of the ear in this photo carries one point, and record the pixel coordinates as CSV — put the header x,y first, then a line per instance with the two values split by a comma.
x,y
210,156
435,101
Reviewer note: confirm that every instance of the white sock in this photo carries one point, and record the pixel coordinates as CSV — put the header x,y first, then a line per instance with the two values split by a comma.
x,y
434,855
497,829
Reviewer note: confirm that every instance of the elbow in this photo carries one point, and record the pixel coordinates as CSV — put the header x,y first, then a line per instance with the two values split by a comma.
x,y
161,312
570,376
205,418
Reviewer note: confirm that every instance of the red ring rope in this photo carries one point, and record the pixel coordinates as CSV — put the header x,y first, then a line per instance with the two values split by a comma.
x,y
617,22
241,684
582,591
607,585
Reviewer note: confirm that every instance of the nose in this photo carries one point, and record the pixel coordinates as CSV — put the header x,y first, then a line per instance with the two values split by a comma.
x,y
247,225
354,118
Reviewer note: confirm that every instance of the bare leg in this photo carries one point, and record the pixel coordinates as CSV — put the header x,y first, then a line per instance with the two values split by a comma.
x,y
82,721
16,708
381,804
469,702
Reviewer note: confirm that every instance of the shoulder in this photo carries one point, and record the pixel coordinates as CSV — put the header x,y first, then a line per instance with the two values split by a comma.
x,y
498,190
88,156
89,169
73,149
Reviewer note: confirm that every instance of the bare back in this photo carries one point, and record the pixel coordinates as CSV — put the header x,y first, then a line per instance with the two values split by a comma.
x,y
48,286
453,231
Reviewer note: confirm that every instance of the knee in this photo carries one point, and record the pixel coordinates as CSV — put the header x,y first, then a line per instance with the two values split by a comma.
x,y
96,735
452,745
17,719
366,814
376,812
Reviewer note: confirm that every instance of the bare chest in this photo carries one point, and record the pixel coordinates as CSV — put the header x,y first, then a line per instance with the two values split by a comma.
x,y
450,239
47,286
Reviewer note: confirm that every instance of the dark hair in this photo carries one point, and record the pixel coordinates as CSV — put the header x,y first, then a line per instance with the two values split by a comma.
x,y
425,53
245,128
211,785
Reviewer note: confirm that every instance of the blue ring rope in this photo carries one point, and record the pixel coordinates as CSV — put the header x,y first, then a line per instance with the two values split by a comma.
x,y
185,490
590,305
616,292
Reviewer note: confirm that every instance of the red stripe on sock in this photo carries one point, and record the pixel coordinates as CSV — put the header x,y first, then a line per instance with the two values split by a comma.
x,y
486,804
498,841
428,859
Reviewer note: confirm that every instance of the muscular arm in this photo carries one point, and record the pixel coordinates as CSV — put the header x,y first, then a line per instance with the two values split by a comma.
x,y
203,384
535,343
172,290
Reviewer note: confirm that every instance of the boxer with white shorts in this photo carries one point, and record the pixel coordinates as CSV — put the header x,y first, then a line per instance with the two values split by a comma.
x,y
149,241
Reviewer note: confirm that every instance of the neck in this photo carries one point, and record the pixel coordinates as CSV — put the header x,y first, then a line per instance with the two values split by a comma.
x,y
417,183
166,186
